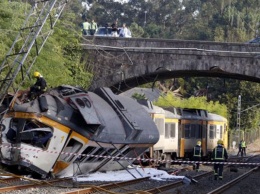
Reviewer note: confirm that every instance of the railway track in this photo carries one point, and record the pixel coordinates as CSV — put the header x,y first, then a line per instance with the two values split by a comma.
x,y
100,188
137,186
133,185
232,183
19,183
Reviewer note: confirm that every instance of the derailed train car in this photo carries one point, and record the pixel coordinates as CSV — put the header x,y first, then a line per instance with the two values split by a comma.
x,y
67,124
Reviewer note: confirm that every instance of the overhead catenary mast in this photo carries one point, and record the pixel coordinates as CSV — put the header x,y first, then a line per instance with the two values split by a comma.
x,y
238,115
36,29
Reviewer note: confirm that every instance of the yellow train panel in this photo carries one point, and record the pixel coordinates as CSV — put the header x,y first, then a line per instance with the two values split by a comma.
x,y
171,120
78,136
39,118
59,166
215,122
182,145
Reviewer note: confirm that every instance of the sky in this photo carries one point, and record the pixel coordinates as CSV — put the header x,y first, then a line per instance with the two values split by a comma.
x,y
124,175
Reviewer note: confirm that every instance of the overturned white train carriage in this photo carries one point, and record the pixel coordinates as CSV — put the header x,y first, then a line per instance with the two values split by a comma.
x,y
67,124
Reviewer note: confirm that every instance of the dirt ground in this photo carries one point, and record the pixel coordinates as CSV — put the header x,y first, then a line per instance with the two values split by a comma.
x,y
251,148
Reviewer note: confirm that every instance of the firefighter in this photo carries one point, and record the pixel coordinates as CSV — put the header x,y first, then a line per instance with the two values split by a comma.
x,y
219,154
197,155
38,88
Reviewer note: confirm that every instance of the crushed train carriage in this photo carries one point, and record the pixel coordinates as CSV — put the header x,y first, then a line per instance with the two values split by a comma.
x,y
67,124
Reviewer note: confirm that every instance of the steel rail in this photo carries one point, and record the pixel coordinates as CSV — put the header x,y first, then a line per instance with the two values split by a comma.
x,y
36,184
93,189
233,182
175,184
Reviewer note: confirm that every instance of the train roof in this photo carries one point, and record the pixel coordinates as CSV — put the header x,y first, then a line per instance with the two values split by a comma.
x,y
216,117
173,115
158,110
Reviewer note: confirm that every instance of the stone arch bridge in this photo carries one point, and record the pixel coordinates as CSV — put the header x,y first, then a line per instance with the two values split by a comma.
x,y
123,63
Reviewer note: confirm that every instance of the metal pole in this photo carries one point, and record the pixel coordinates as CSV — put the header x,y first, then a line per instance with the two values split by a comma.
x,y
145,17
238,115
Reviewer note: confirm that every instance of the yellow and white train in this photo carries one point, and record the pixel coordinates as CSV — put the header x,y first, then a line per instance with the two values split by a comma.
x,y
180,129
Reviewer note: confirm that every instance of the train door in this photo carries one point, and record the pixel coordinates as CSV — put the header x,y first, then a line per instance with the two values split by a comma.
x,y
184,132
220,132
74,146
158,147
211,138
179,138
204,137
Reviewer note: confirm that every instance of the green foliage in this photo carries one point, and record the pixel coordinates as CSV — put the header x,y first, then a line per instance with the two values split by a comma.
x,y
192,102
137,31
12,15
60,61
139,96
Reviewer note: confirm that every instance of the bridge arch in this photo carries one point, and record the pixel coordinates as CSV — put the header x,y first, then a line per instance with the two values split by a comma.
x,y
122,63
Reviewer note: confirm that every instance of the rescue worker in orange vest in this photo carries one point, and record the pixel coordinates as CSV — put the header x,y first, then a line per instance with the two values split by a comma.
x,y
197,155
219,154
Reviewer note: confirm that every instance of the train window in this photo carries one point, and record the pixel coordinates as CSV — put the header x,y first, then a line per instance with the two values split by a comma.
x,y
198,131
87,102
32,132
99,152
187,131
12,131
221,132
87,151
110,151
193,130
173,130
123,154
204,131
92,153
106,152
160,125
72,148
212,131
80,102
167,131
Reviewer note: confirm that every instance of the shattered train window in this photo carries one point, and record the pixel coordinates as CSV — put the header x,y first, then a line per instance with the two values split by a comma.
x,y
36,134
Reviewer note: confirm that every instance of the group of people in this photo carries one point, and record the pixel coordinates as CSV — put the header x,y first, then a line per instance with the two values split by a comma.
x,y
219,154
242,148
123,32
89,27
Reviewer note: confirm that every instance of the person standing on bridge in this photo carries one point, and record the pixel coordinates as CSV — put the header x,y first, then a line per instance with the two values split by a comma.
x,y
125,32
93,27
85,27
219,155
114,29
